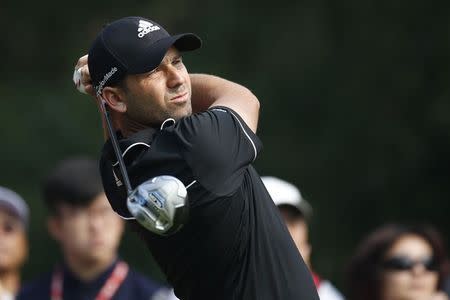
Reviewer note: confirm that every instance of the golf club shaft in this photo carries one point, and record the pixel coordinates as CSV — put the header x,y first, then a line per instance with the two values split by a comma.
x,y
116,147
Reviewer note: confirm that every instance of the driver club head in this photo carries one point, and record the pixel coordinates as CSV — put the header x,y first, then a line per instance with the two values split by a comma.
x,y
160,204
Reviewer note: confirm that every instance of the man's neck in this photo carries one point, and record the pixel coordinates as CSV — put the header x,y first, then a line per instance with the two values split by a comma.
x,y
10,281
128,126
88,270
122,123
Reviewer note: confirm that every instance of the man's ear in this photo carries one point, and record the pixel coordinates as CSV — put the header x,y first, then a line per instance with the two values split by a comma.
x,y
54,227
114,97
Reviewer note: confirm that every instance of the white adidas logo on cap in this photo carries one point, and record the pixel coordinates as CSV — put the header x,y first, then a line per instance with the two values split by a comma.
x,y
146,27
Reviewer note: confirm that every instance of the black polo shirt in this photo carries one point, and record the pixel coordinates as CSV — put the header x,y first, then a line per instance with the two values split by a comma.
x,y
235,244
134,286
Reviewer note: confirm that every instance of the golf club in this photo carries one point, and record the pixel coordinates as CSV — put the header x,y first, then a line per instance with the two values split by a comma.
x,y
158,204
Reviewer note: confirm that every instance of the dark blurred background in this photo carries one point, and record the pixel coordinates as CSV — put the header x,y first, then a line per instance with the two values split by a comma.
x,y
355,104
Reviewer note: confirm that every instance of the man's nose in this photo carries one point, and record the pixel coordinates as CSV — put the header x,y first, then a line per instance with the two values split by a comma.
x,y
174,77
96,223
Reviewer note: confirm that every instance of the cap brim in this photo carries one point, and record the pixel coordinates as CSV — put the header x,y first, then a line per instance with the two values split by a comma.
x,y
187,42
157,51
303,207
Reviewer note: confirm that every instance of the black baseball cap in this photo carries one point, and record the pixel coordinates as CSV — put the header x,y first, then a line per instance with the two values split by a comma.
x,y
132,45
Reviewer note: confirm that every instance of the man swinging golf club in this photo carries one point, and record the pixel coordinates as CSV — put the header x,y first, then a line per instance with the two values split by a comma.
x,y
199,129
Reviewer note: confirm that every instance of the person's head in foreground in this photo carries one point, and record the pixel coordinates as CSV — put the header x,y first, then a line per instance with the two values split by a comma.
x,y
80,217
13,240
295,211
398,262
137,68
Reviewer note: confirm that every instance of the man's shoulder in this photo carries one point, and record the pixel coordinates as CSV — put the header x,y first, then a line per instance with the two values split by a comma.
x,y
197,123
36,289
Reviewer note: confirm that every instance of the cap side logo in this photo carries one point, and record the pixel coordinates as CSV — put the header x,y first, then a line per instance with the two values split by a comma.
x,y
146,27
106,77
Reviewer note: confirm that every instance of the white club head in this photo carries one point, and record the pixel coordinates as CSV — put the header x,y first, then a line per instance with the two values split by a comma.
x,y
160,204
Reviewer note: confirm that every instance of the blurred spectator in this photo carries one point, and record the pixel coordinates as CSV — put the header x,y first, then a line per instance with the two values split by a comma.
x,y
13,241
296,212
88,233
398,262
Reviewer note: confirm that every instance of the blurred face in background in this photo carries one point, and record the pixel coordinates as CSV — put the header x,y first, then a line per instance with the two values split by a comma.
x,y
409,270
13,242
88,234
299,233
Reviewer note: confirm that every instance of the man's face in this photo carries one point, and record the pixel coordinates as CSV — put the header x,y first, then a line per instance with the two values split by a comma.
x,y
299,233
298,228
13,242
165,92
90,234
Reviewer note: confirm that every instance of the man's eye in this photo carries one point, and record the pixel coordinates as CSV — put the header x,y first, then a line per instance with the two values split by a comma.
x,y
153,71
177,61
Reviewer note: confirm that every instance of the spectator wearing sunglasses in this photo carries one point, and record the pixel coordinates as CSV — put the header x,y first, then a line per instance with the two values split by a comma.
x,y
399,262
13,241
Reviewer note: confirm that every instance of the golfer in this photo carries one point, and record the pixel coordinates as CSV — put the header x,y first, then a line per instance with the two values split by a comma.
x,y
202,130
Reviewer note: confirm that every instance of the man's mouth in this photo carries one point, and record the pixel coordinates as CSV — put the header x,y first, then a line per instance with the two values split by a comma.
x,y
181,98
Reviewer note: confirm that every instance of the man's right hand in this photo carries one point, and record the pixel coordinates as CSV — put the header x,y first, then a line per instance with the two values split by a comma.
x,y
82,78
83,83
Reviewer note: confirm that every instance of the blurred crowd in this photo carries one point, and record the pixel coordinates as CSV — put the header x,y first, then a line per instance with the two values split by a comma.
x,y
394,262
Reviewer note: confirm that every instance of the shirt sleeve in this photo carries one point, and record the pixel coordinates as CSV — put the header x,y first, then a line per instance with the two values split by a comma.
x,y
218,147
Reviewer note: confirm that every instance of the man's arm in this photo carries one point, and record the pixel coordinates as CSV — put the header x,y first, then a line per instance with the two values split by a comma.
x,y
209,91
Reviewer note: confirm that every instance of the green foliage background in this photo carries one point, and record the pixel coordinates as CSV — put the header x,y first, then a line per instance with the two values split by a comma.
x,y
354,101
